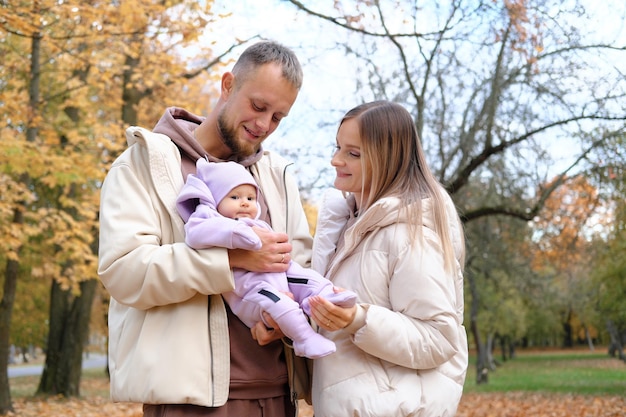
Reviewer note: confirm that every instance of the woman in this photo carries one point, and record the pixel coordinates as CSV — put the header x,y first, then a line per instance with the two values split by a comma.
x,y
397,241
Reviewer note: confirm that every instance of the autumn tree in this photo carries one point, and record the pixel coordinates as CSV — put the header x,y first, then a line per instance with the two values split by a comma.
x,y
44,152
29,321
506,95
119,80
497,279
15,224
563,250
608,272
73,75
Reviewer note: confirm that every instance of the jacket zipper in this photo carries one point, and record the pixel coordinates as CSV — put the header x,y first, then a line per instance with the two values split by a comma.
x,y
286,195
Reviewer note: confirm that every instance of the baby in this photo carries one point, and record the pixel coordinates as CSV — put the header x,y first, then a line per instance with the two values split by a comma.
x,y
220,205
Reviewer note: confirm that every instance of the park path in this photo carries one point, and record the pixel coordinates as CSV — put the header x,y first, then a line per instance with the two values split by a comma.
x,y
93,360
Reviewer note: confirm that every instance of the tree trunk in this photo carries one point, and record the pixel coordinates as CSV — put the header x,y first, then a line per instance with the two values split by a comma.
x,y
13,265
69,333
568,337
506,347
589,339
491,361
6,311
69,313
615,347
511,349
130,94
482,372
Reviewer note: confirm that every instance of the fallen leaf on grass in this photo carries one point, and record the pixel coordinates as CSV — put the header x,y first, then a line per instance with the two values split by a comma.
x,y
521,404
472,405
529,405
90,407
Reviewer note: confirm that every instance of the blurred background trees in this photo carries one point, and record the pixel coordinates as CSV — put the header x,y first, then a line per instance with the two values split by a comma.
x,y
520,107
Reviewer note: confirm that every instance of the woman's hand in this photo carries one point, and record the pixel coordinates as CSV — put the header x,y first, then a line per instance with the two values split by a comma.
x,y
329,316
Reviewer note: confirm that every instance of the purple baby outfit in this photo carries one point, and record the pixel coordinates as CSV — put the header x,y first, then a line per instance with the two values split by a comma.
x,y
254,292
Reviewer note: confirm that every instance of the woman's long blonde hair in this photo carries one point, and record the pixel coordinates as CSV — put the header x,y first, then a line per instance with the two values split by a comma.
x,y
392,156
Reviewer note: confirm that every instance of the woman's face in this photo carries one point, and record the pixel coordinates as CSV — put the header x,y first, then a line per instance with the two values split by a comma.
x,y
348,164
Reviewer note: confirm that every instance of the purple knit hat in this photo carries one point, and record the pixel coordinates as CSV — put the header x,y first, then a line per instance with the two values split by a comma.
x,y
221,177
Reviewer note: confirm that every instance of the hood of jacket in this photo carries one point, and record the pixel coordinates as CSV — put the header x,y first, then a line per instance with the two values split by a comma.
x,y
392,210
179,124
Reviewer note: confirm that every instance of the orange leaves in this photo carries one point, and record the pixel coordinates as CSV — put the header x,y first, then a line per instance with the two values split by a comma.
x,y
72,111
131,21
571,216
539,405
524,30
311,215
92,407
472,405
13,195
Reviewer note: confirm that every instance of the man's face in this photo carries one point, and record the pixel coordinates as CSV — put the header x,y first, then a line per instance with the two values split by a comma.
x,y
254,109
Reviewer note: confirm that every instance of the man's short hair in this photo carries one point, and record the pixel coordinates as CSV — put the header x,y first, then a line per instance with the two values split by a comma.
x,y
269,52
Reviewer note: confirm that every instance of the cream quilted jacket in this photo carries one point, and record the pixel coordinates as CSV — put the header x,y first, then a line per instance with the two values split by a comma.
x,y
406,352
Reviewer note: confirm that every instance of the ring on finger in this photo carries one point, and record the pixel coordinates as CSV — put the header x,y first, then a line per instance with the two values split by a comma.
x,y
282,261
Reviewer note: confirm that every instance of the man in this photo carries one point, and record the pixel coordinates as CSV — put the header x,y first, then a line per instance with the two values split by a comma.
x,y
173,343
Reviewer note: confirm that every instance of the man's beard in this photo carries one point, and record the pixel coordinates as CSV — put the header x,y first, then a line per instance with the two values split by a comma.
x,y
230,140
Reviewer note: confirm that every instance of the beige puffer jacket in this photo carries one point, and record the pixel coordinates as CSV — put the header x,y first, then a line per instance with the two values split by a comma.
x,y
406,352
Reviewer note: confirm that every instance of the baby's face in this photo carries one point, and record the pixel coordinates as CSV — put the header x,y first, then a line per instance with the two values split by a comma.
x,y
239,202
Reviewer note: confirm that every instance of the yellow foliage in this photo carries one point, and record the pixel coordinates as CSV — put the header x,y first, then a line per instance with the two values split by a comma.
x,y
311,216
55,154
564,230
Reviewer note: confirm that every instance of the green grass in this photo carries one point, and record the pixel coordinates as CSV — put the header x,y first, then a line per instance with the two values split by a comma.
x,y
576,372
23,386
94,382
562,372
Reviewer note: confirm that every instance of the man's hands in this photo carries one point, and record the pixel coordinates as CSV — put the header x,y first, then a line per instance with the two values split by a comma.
x,y
274,255
264,335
